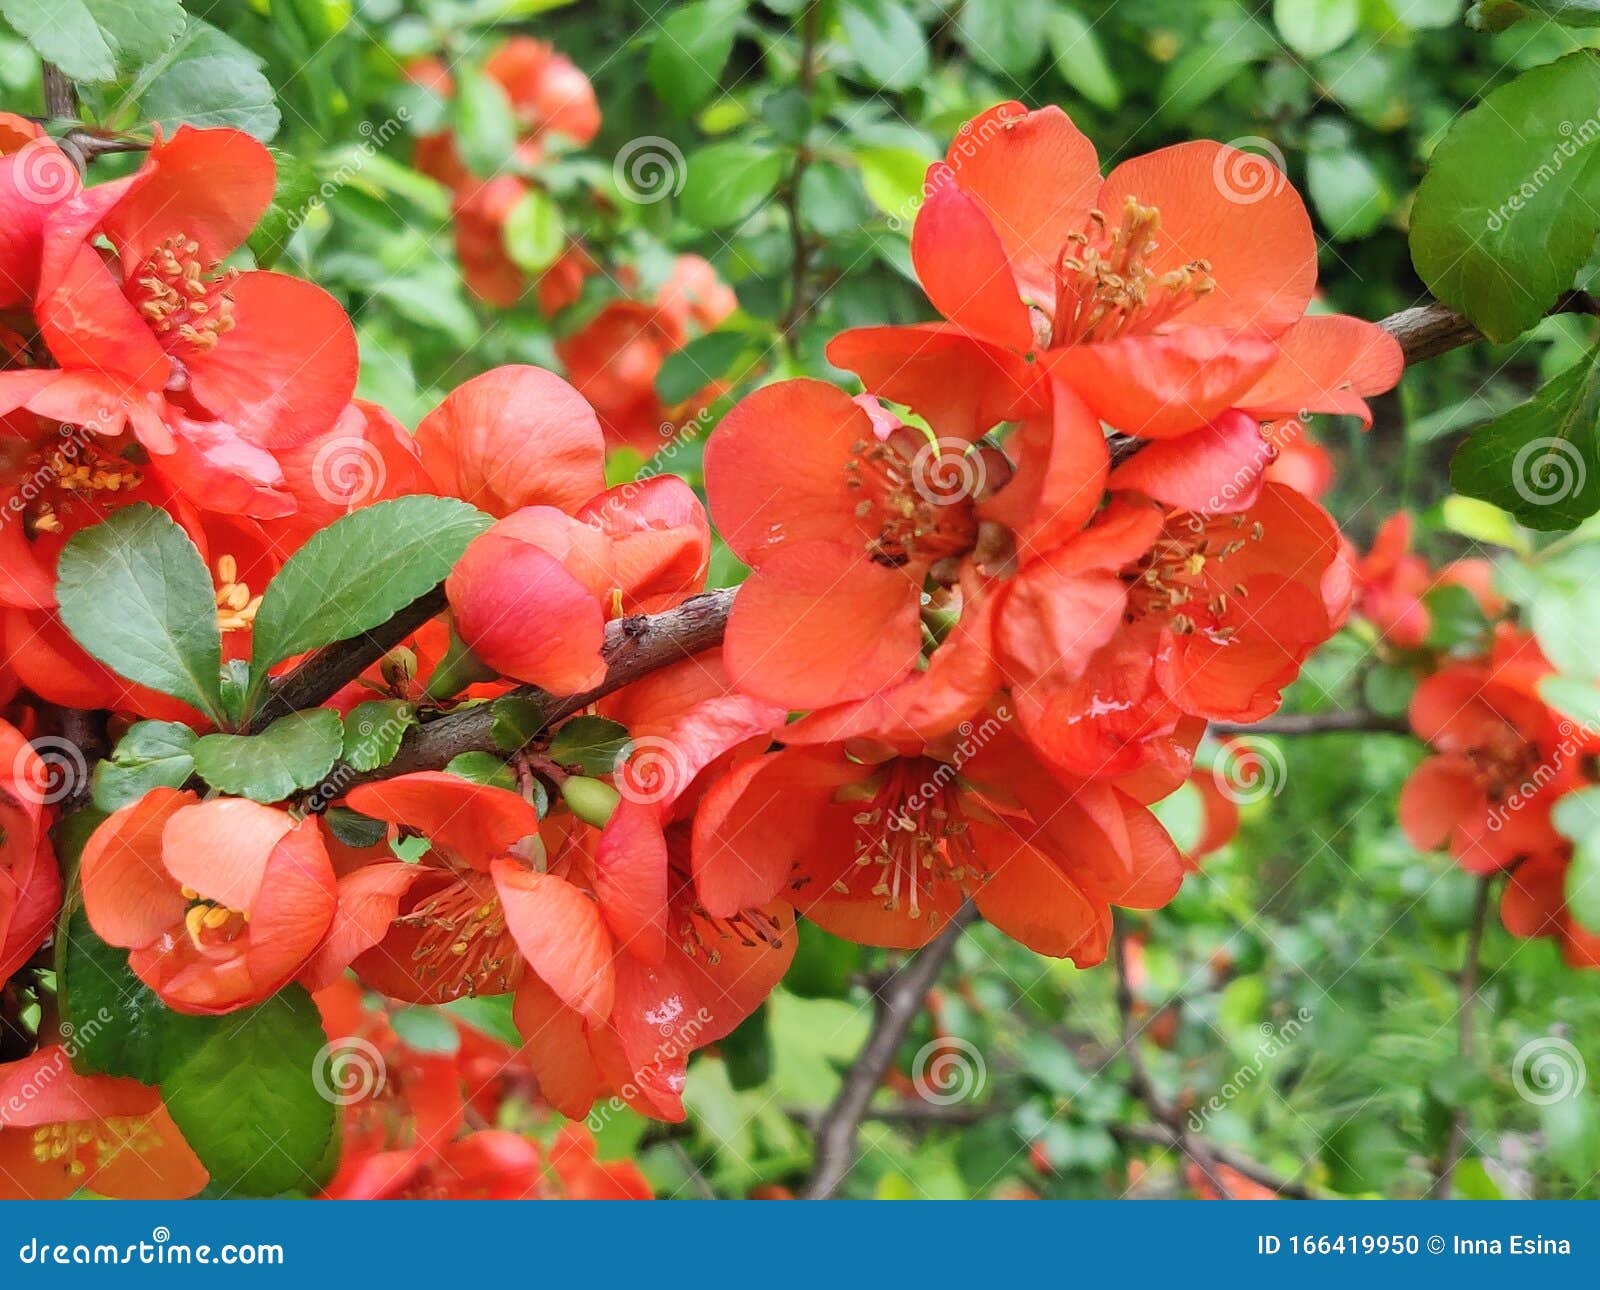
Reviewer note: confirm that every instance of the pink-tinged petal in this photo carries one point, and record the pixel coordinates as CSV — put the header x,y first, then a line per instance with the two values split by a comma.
x,y
86,320
1214,470
562,935
660,538
472,822
208,186
34,180
1326,363
1035,175
512,437
216,468
1160,386
819,623
630,880
526,612
961,386
1238,212
42,1088
220,848
288,367
962,265
775,467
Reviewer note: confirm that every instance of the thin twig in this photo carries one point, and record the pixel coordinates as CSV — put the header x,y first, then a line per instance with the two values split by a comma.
x,y
1139,1082
1159,1135
799,249
898,1004
1456,1142
1316,723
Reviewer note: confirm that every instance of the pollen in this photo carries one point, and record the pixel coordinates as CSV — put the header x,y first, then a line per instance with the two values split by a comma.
x,y
236,607
463,946
181,297
916,507
1186,578
1105,286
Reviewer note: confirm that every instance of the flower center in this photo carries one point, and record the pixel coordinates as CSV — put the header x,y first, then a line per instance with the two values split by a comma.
x,y
913,834
1105,288
236,607
464,946
1503,761
1184,580
916,504
180,296
55,479
210,925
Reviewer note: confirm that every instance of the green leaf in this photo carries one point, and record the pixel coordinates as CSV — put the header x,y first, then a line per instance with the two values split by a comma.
x,y
887,42
91,40
703,360
486,129
1081,61
1497,15
373,731
1539,461
514,720
116,1019
1577,816
358,572
426,1029
893,178
153,754
689,51
1006,36
534,233
1508,210
1575,698
1315,27
295,194
483,768
1349,194
727,181
354,829
211,80
243,1089
593,743
1455,618
294,752
134,592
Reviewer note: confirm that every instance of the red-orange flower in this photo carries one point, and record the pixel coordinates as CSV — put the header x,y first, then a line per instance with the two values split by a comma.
x,y
160,336
1392,582
61,1132
219,903
30,883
